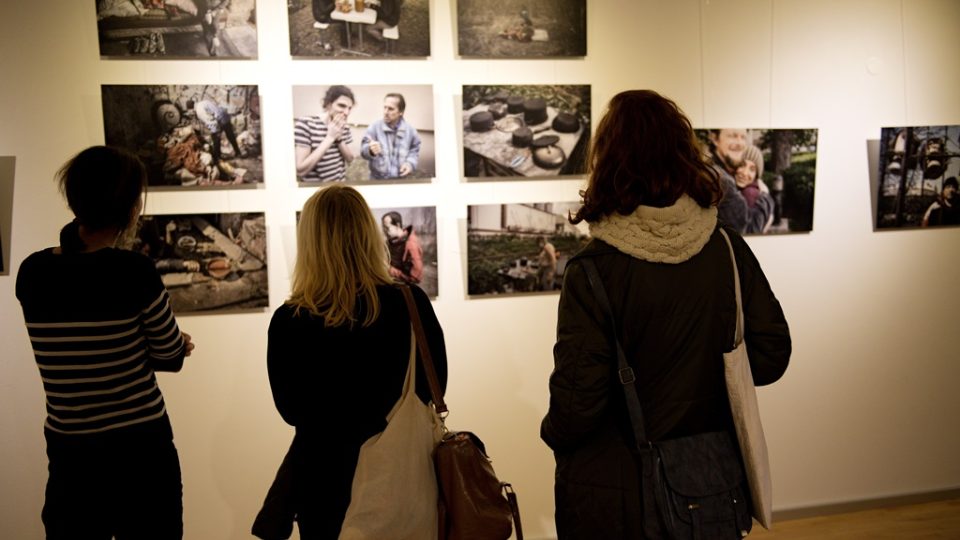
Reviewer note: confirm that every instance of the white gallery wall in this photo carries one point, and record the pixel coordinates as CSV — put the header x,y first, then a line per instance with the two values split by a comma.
x,y
869,406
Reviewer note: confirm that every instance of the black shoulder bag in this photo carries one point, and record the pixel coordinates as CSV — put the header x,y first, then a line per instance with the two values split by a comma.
x,y
696,485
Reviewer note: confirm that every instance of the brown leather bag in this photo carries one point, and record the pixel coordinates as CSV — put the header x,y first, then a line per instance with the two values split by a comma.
x,y
473,503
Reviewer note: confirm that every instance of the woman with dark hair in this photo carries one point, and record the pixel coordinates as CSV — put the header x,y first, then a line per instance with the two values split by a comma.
x,y
337,354
651,203
100,323
322,142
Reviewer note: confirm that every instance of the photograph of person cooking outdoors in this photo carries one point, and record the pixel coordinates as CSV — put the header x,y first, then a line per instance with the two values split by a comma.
x,y
520,248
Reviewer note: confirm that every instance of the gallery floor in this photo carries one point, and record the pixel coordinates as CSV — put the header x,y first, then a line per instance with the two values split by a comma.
x,y
929,521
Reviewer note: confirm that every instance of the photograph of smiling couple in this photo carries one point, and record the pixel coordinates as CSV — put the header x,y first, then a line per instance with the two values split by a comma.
x,y
768,177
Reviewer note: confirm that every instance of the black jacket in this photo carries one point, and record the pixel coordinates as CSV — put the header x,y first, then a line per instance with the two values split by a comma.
x,y
675,321
336,386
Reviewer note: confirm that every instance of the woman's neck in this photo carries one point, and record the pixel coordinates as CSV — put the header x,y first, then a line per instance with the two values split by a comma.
x,y
100,239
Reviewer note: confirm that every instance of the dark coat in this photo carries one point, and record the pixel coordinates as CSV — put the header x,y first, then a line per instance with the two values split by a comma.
x,y
674,321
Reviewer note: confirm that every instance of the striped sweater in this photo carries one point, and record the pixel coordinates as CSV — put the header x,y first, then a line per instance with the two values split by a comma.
x,y
101,325
309,132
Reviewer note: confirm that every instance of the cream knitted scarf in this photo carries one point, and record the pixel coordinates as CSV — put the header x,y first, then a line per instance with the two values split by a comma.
x,y
665,235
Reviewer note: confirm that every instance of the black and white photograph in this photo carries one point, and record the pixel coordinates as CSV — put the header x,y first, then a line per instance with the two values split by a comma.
x,y
368,133
768,177
522,247
348,29
189,136
208,262
919,177
522,28
7,170
525,131
411,237
173,29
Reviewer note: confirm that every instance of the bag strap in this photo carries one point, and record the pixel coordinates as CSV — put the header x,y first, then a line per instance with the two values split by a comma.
x,y
624,371
511,495
738,336
425,358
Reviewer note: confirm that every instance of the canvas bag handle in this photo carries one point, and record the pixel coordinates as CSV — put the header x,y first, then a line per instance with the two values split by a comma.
x,y
426,359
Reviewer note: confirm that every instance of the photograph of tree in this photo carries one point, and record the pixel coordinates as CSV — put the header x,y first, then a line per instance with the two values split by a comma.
x,y
520,248
525,131
359,28
522,28
380,133
208,262
189,136
919,173
165,29
7,169
768,177
411,236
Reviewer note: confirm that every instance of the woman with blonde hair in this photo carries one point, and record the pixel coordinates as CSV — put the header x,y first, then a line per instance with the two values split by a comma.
x,y
338,350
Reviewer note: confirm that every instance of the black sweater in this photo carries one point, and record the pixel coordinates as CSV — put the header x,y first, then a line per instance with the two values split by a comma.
x,y
336,386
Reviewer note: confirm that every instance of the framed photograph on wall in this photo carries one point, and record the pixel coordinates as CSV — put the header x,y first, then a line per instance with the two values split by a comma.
x,y
208,262
169,29
411,236
380,133
189,136
7,170
768,177
359,28
522,28
525,131
521,247
919,172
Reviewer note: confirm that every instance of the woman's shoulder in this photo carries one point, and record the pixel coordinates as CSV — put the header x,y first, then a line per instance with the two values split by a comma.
x,y
287,311
393,293
32,267
37,258
594,248
129,264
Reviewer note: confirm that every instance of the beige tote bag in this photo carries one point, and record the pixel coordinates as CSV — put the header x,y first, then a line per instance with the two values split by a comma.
x,y
394,493
746,414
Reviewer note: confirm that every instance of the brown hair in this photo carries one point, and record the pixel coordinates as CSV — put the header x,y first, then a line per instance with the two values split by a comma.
x,y
644,152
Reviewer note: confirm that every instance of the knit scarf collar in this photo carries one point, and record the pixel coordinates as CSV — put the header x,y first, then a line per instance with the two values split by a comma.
x,y
664,235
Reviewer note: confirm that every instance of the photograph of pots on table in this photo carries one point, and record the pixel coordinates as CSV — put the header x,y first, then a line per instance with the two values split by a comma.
x,y
525,131
208,262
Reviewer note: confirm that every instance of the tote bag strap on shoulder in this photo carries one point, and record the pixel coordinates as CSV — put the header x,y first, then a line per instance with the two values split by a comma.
x,y
745,411
426,359
738,336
